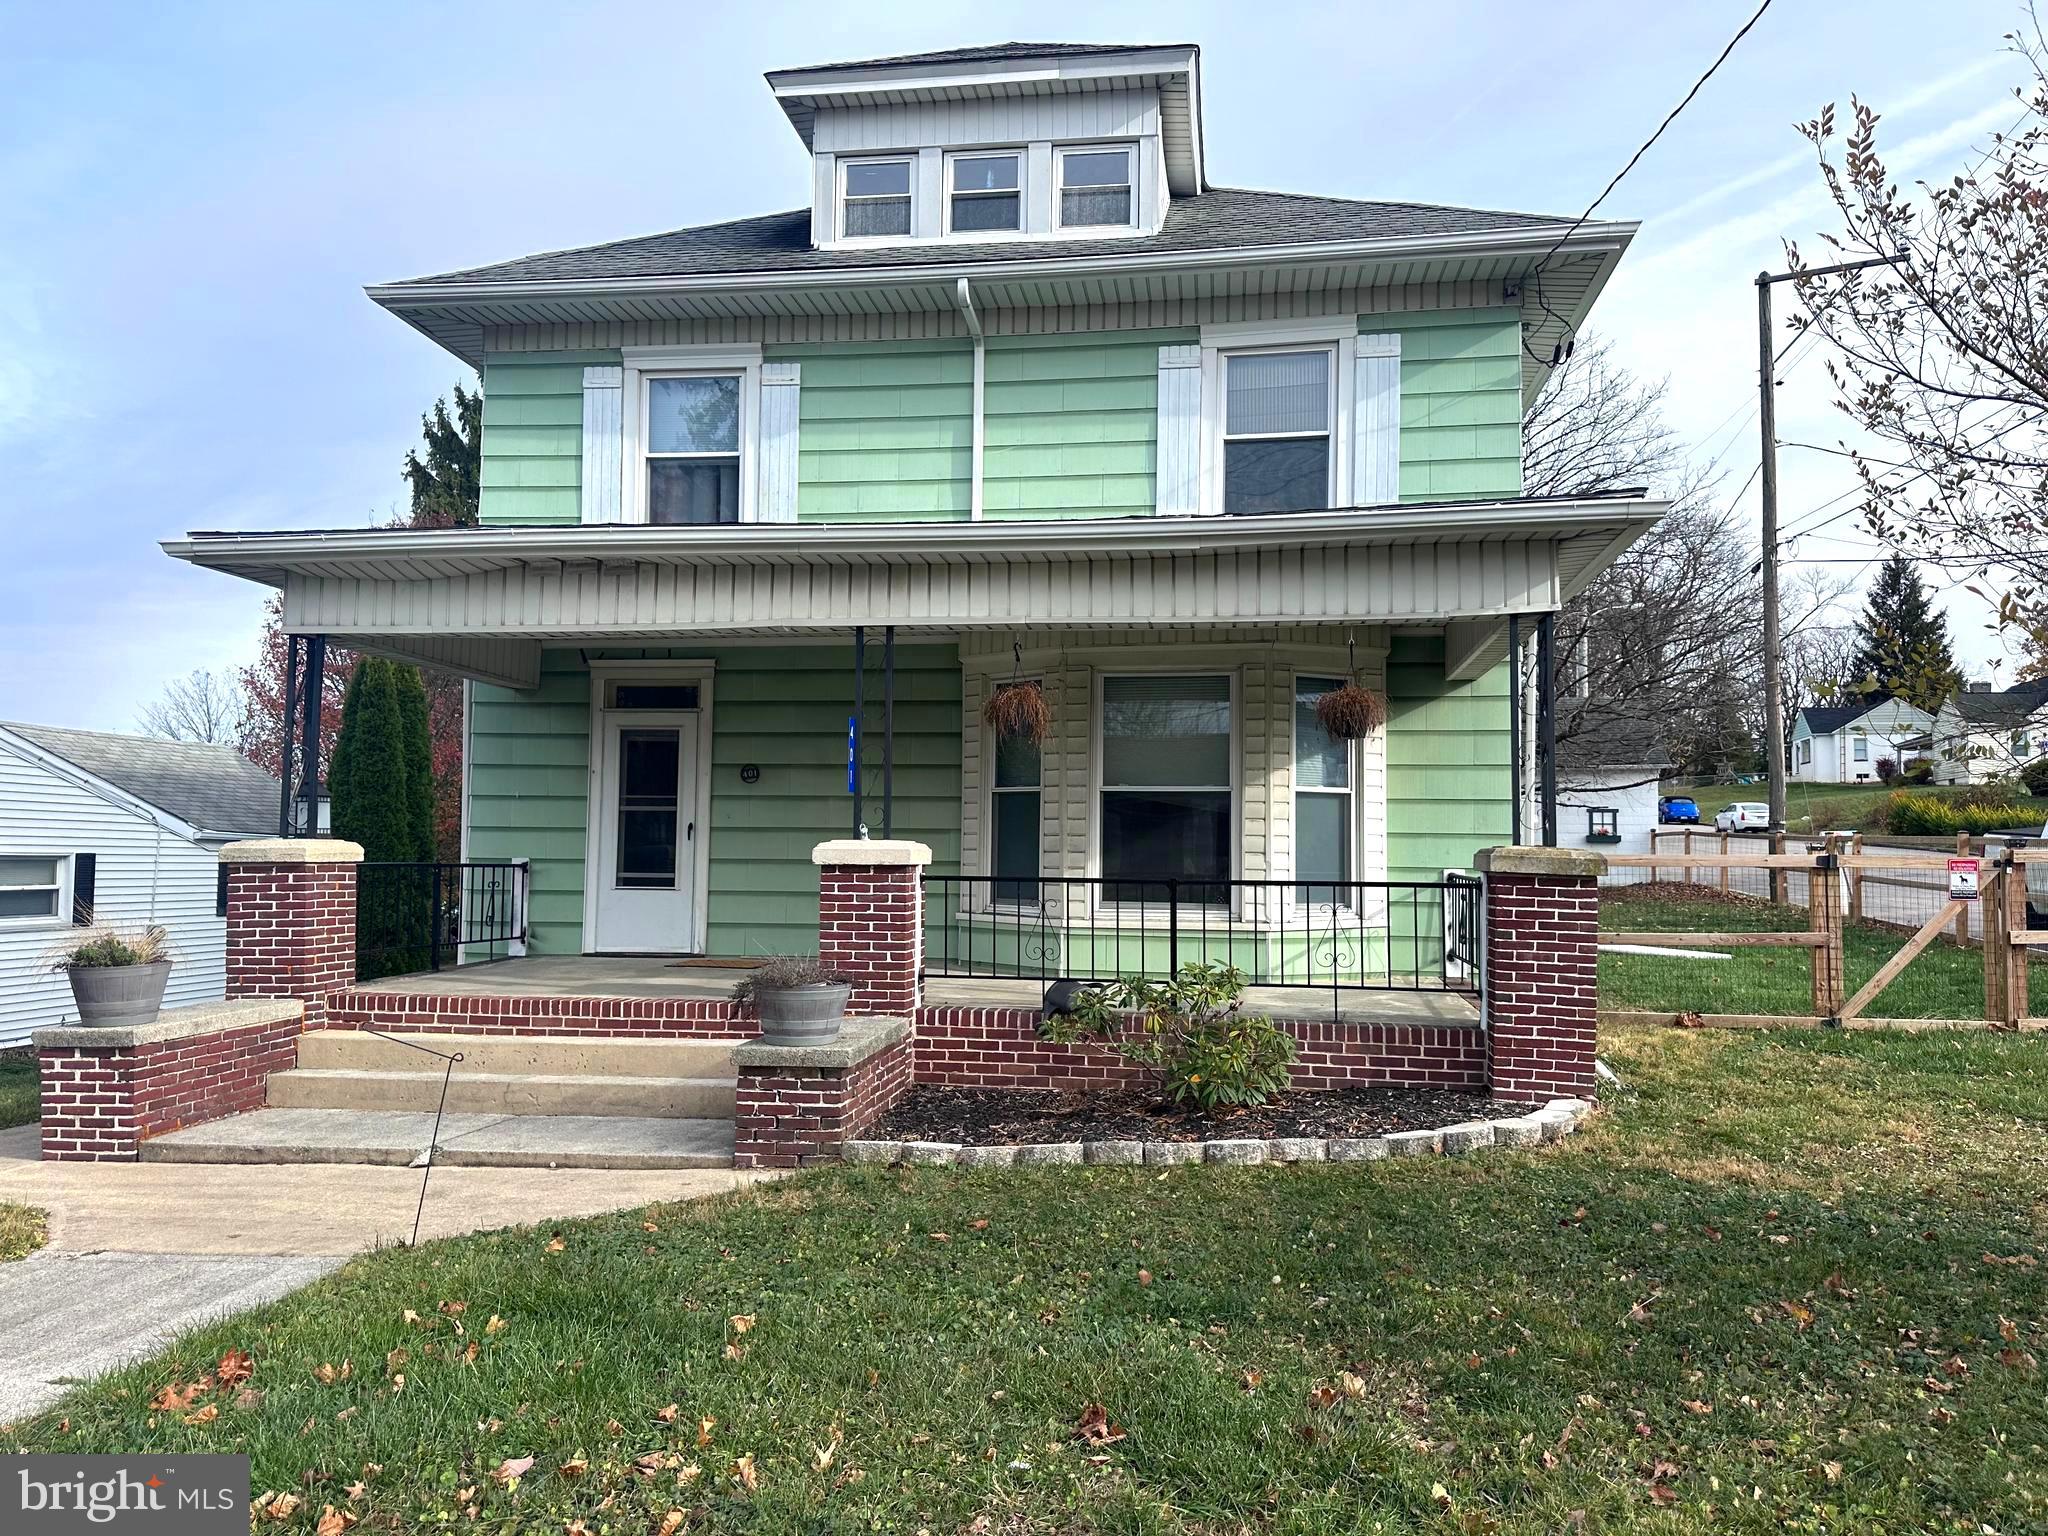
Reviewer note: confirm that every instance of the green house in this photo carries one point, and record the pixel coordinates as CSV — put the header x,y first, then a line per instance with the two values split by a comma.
x,y
1018,396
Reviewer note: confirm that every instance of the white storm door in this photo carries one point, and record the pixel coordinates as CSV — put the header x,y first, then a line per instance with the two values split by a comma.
x,y
646,830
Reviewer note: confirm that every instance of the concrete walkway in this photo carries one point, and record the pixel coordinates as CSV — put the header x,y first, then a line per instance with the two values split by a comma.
x,y
140,1252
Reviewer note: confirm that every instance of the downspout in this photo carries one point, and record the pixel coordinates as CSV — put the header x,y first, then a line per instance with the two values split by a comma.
x,y
963,296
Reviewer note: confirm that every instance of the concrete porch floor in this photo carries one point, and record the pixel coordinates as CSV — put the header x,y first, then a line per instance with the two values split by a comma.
x,y
656,976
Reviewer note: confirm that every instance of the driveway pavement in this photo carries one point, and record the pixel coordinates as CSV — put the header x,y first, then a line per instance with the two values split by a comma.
x,y
140,1252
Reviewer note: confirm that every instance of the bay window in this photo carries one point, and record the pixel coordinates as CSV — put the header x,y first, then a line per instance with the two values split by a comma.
x,y
692,442
1324,810
1279,407
1167,808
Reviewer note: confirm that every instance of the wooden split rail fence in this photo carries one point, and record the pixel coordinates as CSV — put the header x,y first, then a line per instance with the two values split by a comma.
x,y
1834,882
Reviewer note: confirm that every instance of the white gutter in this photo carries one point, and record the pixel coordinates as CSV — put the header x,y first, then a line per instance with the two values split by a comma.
x,y
964,297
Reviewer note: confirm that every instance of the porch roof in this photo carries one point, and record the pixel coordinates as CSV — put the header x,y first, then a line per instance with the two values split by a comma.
x,y
482,601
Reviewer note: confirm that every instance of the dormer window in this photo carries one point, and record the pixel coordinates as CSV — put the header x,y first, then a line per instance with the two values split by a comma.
x,y
985,192
1095,188
875,199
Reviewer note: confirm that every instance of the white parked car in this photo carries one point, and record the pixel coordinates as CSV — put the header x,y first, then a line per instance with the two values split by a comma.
x,y
1744,816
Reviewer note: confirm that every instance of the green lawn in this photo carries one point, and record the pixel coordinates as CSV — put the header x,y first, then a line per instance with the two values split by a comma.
x,y
1846,807
1790,1281
1944,981
23,1229
20,1088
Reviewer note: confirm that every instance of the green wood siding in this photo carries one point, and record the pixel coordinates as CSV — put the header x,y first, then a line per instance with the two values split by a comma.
x,y
782,708
1071,423
1447,762
532,459
885,430
1461,401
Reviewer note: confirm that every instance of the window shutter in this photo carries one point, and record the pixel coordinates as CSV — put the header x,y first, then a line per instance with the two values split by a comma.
x,y
1376,453
603,443
84,873
778,461
1180,430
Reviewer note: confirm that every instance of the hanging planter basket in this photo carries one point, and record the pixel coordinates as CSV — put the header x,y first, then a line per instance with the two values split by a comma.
x,y
1018,710
1352,712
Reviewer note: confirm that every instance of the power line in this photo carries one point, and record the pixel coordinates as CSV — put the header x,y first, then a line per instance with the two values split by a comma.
x,y
1536,273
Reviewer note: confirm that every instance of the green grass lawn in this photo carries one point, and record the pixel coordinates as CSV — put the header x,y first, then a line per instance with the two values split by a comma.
x,y
23,1229
1847,807
20,1088
1944,981
1790,1281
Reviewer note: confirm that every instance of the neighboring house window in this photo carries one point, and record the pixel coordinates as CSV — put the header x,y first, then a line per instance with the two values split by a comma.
x,y
1805,752
1861,748
875,199
1166,787
693,448
1014,799
32,887
1278,407
1097,189
1323,819
986,192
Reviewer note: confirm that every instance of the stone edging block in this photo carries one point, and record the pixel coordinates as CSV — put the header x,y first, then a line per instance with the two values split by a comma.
x,y
1560,1117
859,1038
173,1024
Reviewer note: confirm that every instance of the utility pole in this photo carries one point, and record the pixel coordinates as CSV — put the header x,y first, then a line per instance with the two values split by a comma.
x,y
1767,418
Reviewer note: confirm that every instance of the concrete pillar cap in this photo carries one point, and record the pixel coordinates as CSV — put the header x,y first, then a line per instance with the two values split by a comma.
x,y
1576,863
292,850
876,851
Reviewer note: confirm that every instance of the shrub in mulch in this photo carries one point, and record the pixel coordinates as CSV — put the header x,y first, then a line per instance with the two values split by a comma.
x,y
1681,891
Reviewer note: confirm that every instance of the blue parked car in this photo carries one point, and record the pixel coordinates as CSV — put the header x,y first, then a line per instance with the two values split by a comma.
x,y
1678,809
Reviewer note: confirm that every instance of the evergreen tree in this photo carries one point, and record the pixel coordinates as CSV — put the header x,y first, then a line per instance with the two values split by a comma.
x,y
444,483
1902,646
418,752
372,785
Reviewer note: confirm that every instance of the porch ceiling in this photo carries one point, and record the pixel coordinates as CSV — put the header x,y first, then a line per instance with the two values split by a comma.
x,y
482,601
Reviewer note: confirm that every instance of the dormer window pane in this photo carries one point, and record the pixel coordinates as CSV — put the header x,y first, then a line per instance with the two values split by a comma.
x,y
877,198
1095,188
985,193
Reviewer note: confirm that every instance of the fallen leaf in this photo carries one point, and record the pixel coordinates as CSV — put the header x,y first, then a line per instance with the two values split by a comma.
x,y
2016,1359
248,1400
981,1225
204,1416
745,1472
1096,1427
279,1506
326,1374
668,1415
688,1475
940,1237
356,1490
1694,1405
1661,1493
1144,1277
332,1522
1831,1470
556,1245
1689,1020
1252,1379
735,1351
742,1322
175,1398
235,1367
574,1467
821,1456
2008,1330
671,1523
704,1428
496,1325
510,1470
1799,1312
411,1318
2023,1260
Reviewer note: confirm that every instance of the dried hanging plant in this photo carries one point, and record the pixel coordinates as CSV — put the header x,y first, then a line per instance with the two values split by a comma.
x,y
1017,708
1352,712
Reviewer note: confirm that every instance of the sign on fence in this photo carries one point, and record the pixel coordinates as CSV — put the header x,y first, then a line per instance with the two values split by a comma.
x,y
1962,879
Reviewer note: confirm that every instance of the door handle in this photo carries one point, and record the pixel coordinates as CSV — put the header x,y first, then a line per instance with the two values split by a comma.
x,y
690,833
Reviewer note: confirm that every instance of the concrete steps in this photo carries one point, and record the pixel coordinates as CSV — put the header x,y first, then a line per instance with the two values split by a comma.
x,y
533,1075
395,1138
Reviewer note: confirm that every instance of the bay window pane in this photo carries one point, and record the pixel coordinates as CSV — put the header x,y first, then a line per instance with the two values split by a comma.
x,y
1017,763
1277,392
1166,731
1276,474
1322,843
693,490
1015,864
695,415
1156,835
1321,761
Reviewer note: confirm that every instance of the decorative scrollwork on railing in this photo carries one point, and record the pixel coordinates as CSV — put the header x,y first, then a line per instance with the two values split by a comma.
x,y
1040,948
1336,950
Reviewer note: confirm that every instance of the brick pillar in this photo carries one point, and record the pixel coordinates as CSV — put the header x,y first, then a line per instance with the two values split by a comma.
x,y
1541,970
871,919
292,919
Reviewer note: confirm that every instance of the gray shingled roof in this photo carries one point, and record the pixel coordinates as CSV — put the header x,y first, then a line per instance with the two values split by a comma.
x,y
1821,719
214,788
2008,706
1221,218
988,53
1615,741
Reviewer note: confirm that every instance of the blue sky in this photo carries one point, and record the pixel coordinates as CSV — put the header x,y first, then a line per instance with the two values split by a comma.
x,y
192,196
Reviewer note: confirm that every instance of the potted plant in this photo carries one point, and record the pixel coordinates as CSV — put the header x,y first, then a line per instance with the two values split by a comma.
x,y
798,1000
116,977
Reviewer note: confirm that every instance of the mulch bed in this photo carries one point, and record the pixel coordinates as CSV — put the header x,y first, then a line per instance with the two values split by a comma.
x,y
987,1117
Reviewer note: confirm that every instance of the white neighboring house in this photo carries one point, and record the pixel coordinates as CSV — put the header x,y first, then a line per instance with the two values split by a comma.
x,y
1984,734
1842,743
125,829
1608,779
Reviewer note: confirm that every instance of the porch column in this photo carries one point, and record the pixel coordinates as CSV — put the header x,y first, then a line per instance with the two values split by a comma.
x,y
871,919
1541,970
292,919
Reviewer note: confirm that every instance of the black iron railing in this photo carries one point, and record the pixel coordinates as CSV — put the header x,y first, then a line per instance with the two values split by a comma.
x,y
425,917
1380,935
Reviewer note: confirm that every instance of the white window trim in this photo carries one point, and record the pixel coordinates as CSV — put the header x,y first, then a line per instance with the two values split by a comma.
x,y
1023,194
903,157
1354,769
644,363
1103,671
61,917
1131,171
1338,332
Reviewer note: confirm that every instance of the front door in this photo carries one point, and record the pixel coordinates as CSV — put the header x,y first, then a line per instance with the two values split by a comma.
x,y
646,830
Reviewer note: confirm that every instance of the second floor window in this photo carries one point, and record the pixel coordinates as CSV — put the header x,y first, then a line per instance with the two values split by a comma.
x,y
876,201
693,448
986,193
1096,189
1277,410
